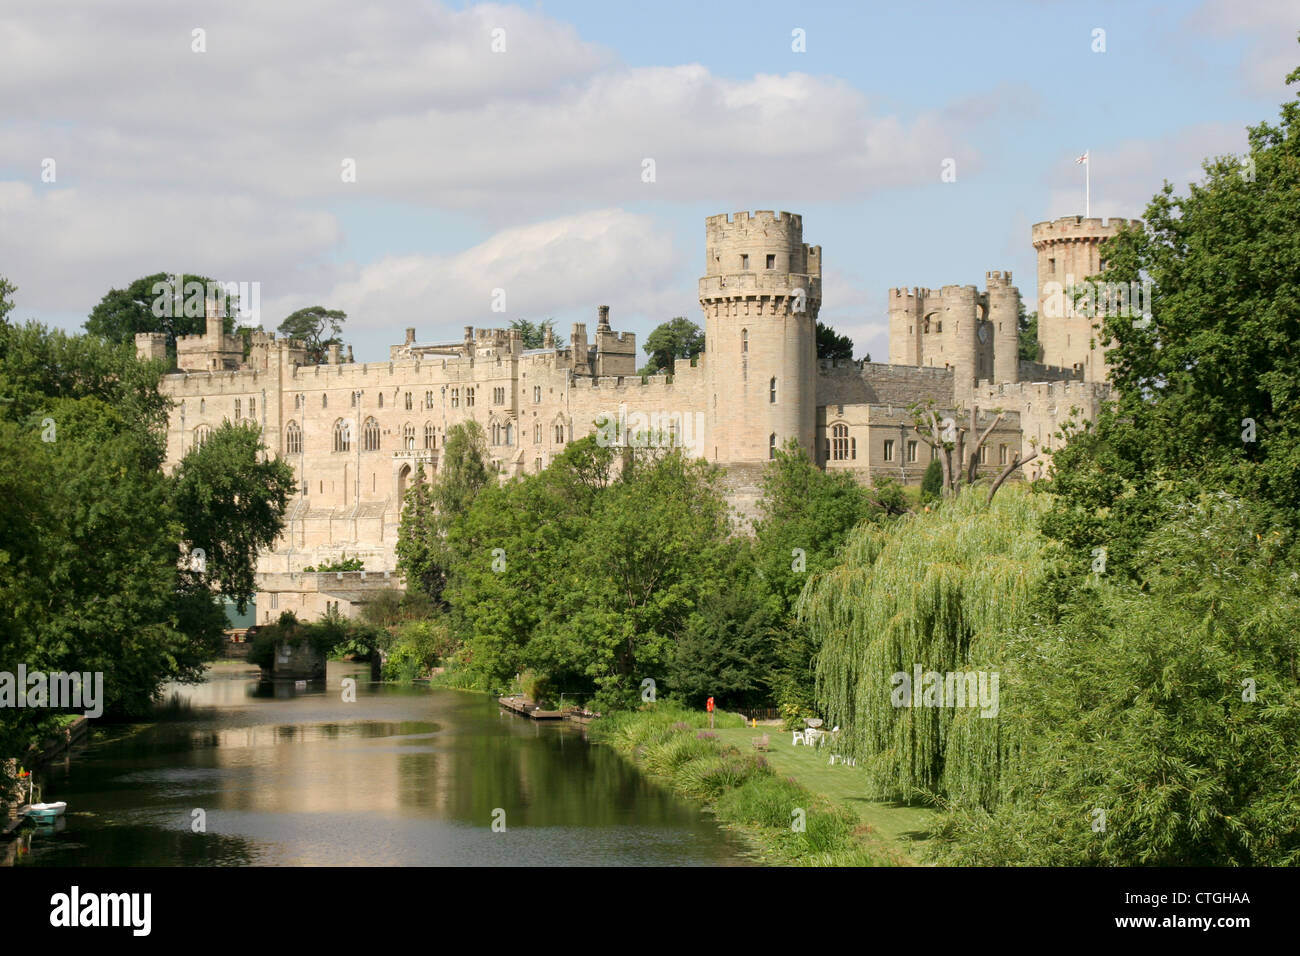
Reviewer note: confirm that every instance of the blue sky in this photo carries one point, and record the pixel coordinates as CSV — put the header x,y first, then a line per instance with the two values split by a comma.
x,y
520,169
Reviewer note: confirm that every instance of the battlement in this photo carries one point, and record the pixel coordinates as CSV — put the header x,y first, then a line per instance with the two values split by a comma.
x,y
758,217
1098,391
1077,227
997,279
759,284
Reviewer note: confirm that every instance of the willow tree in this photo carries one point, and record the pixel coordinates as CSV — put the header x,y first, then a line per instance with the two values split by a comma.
x,y
939,592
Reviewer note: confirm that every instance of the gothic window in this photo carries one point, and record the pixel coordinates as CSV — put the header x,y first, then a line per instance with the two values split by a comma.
x,y
469,398
496,434
202,402
293,439
498,396
559,434
237,415
839,442
771,391
324,400
342,435
371,435
201,434
537,434
430,437
252,408
354,399
297,402
408,436
428,399
408,401
381,399
771,445
537,394
510,433
455,398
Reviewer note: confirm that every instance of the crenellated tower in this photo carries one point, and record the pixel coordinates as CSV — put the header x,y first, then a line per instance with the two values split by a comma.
x,y
760,293
1069,252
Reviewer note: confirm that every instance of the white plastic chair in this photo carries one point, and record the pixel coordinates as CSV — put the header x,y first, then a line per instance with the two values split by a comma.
x,y
799,738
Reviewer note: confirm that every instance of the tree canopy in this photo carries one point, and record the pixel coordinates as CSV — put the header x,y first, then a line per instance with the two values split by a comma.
x,y
145,306
317,328
678,338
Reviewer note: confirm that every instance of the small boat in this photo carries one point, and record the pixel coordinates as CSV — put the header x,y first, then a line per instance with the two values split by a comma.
x,y
41,813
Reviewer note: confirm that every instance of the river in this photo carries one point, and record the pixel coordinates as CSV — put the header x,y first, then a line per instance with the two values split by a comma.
x,y
233,774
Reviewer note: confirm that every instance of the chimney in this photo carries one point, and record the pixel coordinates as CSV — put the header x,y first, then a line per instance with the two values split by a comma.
x,y
334,355
216,322
410,336
469,341
603,324
349,355
548,339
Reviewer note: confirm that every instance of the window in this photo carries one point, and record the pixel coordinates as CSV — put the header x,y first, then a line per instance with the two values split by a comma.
x,y
889,449
1051,265
455,398
1002,454
342,435
201,434
324,400
202,402
771,445
237,415
771,261
275,601
370,435
354,399
537,394
408,435
252,408
510,433
293,439
498,396
428,399
537,434
771,391
744,340
744,262
559,434
496,434
430,437
537,464
297,402
408,401
911,451
839,442
984,454
469,398
381,399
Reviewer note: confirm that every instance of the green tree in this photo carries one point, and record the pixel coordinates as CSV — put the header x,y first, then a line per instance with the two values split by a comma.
x,y
231,498
1027,334
677,338
154,304
7,289
833,346
1209,386
534,334
932,481
317,328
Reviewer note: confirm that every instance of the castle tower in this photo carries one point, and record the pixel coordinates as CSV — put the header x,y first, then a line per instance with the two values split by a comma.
x,y
761,293
1069,252
1001,331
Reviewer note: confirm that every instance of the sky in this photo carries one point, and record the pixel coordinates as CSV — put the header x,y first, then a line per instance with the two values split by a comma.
x,y
505,147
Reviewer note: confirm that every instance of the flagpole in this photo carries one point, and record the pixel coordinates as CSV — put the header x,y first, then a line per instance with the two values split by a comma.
x,y
1086,159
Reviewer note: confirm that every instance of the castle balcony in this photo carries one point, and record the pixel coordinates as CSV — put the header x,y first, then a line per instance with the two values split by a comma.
x,y
760,283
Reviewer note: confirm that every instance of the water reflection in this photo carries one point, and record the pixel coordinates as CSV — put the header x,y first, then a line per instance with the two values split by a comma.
x,y
406,776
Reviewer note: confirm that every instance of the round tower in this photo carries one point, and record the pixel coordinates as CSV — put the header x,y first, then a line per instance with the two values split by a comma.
x,y
760,293
1069,252
1002,328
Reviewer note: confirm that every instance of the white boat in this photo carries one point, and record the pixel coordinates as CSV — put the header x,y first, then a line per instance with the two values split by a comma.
x,y
43,813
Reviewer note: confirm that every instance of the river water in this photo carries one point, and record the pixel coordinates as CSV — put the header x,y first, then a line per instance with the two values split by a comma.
x,y
403,776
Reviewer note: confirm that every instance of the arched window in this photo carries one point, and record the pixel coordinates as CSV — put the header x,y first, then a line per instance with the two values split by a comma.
x,y
342,435
252,408
297,402
324,400
237,415
771,445
744,340
292,439
430,437
371,435
408,401
381,399
839,442
354,399
408,437
202,404
510,433
201,434
771,391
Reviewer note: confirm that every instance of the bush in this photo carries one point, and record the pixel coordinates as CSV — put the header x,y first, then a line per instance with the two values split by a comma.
x,y
932,481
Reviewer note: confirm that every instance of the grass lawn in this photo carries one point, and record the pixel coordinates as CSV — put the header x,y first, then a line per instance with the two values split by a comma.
x,y
899,828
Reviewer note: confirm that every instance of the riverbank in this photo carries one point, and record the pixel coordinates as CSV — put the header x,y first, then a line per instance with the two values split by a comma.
x,y
789,812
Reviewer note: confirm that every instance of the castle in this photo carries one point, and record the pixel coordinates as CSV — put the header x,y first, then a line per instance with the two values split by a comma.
x,y
356,433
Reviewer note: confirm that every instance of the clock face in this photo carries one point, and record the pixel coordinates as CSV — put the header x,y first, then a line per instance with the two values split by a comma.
x,y
983,333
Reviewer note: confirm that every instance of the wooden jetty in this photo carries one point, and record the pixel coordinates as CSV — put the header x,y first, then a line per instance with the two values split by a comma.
x,y
527,708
